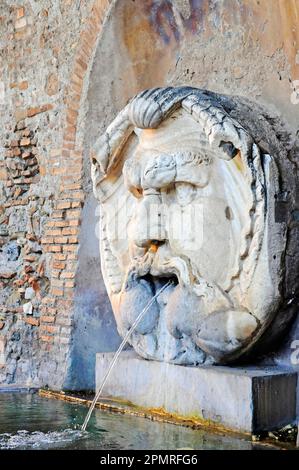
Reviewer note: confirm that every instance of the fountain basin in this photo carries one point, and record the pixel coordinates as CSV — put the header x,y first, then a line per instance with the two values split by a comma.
x,y
242,399
39,422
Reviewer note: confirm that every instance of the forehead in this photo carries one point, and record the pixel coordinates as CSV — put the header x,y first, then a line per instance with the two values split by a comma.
x,y
177,149
179,136
178,132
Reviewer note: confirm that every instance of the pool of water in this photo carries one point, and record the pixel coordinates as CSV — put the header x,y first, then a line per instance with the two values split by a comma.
x,y
28,421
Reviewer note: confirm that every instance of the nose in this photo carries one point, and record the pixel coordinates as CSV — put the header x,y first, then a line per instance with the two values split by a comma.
x,y
150,227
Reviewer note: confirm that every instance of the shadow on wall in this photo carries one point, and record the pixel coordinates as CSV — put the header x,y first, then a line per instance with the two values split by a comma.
x,y
94,325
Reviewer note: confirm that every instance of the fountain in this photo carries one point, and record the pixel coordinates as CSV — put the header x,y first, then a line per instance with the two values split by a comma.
x,y
184,170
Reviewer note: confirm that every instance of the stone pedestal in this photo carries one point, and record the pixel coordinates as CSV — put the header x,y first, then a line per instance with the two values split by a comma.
x,y
244,399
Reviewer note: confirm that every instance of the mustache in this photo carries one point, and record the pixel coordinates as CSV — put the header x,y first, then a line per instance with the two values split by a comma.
x,y
162,266
187,274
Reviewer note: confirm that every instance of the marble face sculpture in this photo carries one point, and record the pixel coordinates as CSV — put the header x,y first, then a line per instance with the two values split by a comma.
x,y
187,195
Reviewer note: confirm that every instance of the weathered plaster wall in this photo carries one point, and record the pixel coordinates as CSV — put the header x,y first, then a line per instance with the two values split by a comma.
x,y
65,75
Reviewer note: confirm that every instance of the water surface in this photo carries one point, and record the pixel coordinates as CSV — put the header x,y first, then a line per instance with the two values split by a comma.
x,y
28,421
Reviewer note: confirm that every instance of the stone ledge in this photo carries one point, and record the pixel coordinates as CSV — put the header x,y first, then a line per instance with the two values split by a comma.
x,y
243,399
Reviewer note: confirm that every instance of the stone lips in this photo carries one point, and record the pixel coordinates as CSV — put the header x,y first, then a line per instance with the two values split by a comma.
x,y
218,322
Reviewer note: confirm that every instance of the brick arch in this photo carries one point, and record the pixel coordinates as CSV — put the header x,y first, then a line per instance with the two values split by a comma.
x,y
62,230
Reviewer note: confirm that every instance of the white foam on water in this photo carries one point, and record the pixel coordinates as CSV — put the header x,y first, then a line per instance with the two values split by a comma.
x,y
39,440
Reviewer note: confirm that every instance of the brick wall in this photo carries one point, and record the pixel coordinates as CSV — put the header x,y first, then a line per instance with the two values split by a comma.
x,y
46,49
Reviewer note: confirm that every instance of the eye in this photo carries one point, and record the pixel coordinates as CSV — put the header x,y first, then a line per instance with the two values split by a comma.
x,y
185,193
131,173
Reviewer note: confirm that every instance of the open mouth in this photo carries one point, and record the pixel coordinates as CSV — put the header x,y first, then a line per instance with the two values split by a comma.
x,y
157,282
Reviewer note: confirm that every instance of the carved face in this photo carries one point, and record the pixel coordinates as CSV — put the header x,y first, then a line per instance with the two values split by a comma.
x,y
180,202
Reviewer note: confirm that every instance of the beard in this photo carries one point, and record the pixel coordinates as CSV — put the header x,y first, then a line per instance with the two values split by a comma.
x,y
171,328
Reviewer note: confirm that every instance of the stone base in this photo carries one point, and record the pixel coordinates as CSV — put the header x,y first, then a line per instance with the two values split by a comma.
x,y
243,399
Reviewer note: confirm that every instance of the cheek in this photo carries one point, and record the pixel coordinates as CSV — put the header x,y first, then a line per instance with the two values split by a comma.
x,y
118,228
185,228
119,248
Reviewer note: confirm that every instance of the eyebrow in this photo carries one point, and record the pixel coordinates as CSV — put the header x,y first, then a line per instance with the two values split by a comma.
x,y
187,158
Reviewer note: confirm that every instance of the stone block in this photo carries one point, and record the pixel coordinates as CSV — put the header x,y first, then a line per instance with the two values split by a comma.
x,y
243,399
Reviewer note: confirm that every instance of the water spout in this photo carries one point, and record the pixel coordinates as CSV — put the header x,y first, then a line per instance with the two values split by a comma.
x,y
121,347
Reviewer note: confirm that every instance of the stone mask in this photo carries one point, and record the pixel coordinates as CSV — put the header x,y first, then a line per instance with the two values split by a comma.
x,y
187,194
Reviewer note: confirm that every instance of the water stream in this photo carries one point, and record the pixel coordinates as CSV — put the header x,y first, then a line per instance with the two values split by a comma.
x,y
121,347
